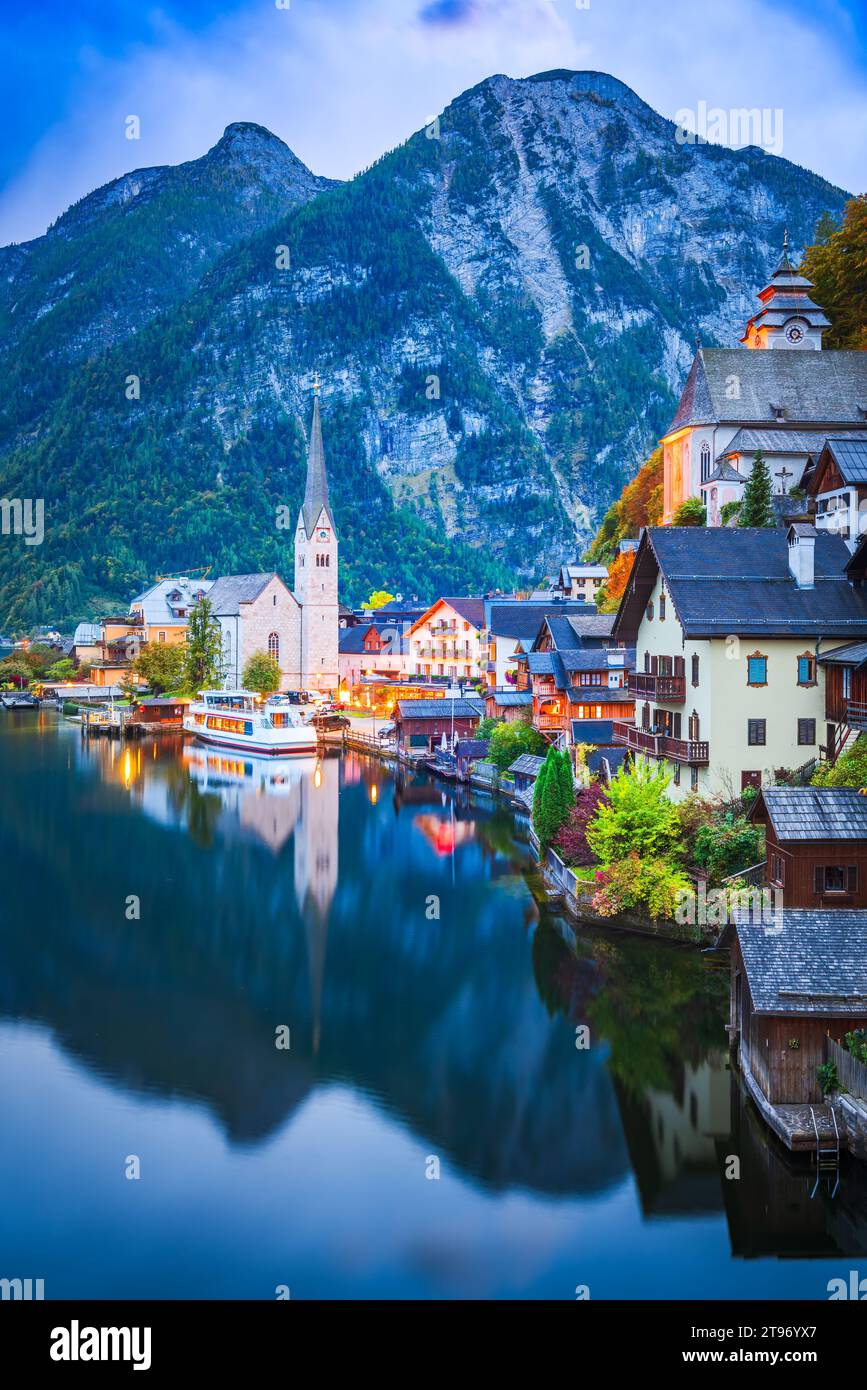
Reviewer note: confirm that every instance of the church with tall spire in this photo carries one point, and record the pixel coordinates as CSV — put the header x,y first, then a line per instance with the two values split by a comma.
x,y
781,398
299,628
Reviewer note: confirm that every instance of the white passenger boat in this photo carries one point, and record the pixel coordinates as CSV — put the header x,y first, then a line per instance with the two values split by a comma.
x,y
241,720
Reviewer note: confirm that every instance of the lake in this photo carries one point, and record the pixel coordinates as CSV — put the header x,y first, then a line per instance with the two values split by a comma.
x,y
169,915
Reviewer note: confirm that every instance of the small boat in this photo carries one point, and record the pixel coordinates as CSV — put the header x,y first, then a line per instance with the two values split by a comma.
x,y
241,720
18,699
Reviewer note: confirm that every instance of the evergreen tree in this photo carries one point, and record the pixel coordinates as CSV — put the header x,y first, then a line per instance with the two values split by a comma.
x,y
567,785
756,508
204,650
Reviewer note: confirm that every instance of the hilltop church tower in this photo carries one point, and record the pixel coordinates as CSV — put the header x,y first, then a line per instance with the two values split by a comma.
x,y
316,552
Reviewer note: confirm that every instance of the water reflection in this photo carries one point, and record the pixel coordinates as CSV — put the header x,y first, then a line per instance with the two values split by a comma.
x,y
294,894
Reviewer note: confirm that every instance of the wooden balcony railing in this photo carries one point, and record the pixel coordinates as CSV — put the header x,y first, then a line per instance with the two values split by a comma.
x,y
671,688
694,752
856,715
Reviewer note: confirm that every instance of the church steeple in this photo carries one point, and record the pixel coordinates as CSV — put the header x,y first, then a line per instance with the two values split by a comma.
x,y
788,317
316,489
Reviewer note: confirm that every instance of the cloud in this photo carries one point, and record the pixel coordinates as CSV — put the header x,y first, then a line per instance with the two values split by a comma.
x,y
345,81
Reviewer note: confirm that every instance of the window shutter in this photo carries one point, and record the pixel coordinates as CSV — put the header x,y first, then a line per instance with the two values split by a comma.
x,y
852,877
819,879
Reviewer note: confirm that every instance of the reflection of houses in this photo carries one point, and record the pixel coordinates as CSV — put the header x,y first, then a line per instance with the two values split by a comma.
x,y
316,865
794,980
816,845
672,1138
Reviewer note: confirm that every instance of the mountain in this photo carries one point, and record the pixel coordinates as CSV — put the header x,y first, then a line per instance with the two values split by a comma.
x,y
503,310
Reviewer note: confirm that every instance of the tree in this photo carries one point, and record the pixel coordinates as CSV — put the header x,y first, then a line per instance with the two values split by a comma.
x,y
837,265
61,670
204,648
639,505
378,599
571,840
756,508
609,594
637,817
692,512
510,741
550,805
162,666
567,784
16,670
262,673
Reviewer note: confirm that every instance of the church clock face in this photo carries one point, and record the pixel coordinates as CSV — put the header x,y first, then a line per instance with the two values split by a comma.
x,y
795,334
323,535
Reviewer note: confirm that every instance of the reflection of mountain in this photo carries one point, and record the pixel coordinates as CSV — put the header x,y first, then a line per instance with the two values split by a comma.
x,y
441,1021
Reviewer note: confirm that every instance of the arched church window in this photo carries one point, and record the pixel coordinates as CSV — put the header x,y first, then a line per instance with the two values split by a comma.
x,y
705,462
274,645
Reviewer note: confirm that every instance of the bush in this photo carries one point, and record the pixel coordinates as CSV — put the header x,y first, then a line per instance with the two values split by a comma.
x,y
261,673
856,1043
828,1079
510,741
652,884
690,513
727,843
571,841
850,770
636,816
728,510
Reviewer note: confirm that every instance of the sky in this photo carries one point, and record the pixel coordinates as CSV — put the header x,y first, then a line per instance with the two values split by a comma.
x,y
342,81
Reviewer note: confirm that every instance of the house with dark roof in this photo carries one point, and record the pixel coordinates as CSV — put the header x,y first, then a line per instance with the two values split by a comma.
x,y
447,641
509,623
845,672
370,651
729,628
838,484
421,725
578,677
795,984
780,394
816,845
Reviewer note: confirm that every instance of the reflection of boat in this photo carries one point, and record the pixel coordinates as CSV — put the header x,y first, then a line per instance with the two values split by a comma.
x,y
239,720
212,771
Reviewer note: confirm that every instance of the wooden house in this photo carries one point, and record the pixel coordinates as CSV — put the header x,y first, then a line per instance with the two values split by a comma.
x,y
512,706
421,724
579,679
816,845
838,483
157,713
794,982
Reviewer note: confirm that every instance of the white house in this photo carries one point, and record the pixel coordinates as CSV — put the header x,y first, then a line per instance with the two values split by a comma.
x,y
728,626
446,641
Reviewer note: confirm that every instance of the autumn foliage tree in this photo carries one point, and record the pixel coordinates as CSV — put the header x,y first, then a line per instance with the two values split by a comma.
x,y
837,265
639,505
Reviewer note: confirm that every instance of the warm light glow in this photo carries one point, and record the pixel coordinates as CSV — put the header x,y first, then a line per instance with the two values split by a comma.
x,y
317,776
374,794
127,768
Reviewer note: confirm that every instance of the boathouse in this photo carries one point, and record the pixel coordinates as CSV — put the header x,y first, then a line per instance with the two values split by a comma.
x,y
795,981
816,845
421,724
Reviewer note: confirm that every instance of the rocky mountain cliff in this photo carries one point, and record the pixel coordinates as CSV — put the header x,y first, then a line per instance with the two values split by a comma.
x,y
502,310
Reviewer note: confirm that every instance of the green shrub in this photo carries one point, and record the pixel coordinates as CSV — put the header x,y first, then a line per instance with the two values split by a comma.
x,y
829,1081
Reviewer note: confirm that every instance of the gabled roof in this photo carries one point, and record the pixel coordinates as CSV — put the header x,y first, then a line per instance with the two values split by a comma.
x,y
592,627
779,441
441,709
87,635
528,764
849,654
232,590
822,387
154,604
849,453
510,699
724,581
810,962
813,813
723,473
472,610
523,620
351,640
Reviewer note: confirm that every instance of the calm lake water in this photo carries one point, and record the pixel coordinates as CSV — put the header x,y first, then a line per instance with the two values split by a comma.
x,y
299,897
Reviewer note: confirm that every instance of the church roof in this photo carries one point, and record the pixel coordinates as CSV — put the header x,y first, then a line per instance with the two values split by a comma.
x,y
781,441
234,589
316,490
724,473
828,387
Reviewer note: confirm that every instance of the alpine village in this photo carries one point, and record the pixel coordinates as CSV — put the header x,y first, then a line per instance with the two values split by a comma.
x,y
678,716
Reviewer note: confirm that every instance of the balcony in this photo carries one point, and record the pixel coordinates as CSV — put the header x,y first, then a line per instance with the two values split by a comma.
x,y
669,688
694,752
856,715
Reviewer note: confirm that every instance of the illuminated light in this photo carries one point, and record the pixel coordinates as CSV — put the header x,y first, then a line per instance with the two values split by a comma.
x,y
317,776
374,794
127,768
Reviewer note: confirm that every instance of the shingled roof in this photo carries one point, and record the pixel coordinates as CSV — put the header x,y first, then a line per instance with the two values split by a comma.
x,y
441,709
849,453
814,813
724,581
827,387
231,591
808,962
523,620
316,487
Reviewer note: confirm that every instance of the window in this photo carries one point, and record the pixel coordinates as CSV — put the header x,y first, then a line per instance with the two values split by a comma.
x,y
757,669
695,670
694,726
693,779
650,611
705,462
847,682
662,608
807,669
807,731
778,872
676,774
274,645
756,732
836,878
162,637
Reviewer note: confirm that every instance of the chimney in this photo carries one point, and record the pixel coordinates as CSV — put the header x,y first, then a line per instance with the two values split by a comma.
x,y
802,556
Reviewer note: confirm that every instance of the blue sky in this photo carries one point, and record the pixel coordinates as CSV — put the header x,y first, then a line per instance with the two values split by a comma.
x,y
341,81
